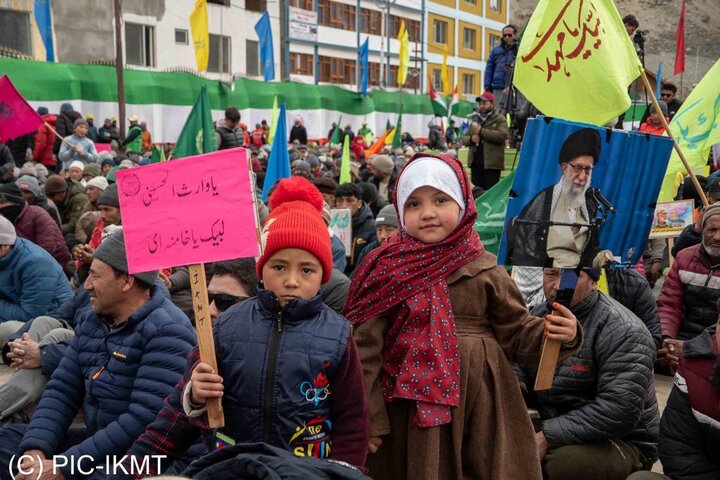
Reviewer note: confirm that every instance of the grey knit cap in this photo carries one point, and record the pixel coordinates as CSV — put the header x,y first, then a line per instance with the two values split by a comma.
x,y
112,252
387,216
109,197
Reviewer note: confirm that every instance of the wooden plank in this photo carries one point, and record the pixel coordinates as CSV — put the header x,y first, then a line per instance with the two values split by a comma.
x,y
548,362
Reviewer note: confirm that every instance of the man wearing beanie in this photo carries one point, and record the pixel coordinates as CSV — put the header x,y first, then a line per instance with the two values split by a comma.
x,y
291,359
687,304
131,346
31,282
601,414
327,187
34,195
77,146
537,237
70,198
33,223
108,203
386,225
384,175
653,124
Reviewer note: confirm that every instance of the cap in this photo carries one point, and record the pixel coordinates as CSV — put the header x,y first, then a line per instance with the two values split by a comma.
x,y
387,216
7,232
486,97
112,252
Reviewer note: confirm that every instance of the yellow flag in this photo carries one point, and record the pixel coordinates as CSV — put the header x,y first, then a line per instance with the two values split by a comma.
x,y
696,129
404,54
390,137
273,121
200,34
576,61
447,89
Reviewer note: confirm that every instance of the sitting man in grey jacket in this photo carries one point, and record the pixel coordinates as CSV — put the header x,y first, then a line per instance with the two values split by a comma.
x,y
600,419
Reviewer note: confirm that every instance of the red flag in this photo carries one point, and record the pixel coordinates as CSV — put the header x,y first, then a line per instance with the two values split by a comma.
x,y
17,117
680,42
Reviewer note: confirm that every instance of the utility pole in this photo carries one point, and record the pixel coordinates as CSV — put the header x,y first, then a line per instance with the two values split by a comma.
x,y
119,68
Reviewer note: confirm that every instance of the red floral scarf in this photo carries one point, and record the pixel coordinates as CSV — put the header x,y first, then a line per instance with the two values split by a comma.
x,y
407,278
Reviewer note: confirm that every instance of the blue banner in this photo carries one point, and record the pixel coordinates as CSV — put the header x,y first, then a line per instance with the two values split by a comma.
x,y
264,33
364,52
43,18
579,190
658,79
279,161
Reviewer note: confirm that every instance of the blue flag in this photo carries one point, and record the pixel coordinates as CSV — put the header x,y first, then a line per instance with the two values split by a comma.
x,y
658,86
279,161
43,19
364,64
264,33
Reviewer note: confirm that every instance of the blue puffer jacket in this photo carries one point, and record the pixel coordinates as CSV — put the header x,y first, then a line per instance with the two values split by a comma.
x,y
31,283
278,367
118,377
495,75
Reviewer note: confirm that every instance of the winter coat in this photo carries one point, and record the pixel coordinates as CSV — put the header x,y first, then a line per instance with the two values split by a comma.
x,y
73,206
298,132
606,390
633,292
5,155
133,141
36,225
67,154
268,358
363,232
107,135
687,304
31,283
118,377
19,147
44,142
64,126
493,133
334,293
690,425
435,139
338,253
495,74
490,436
687,238
92,132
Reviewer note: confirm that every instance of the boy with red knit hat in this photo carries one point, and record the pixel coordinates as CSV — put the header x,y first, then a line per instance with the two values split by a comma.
x,y
288,374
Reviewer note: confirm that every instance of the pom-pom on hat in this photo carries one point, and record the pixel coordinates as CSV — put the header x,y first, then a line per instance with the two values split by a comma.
x,y
295,221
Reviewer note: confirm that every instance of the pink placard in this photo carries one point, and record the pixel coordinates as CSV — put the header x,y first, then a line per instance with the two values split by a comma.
x,y
194,210
103,147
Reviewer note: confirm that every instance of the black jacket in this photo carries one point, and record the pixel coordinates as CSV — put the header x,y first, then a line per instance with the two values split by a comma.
x,y
606,390
687,238
633,292
298,132
64,126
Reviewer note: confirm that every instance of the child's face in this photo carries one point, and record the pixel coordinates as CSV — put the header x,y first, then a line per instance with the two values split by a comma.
x,y
430,215
292,273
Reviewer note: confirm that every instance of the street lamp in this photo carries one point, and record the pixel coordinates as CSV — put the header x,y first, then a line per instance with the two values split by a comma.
x,y
384,5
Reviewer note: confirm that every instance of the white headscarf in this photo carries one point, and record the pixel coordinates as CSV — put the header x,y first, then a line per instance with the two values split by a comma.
x,y
428,172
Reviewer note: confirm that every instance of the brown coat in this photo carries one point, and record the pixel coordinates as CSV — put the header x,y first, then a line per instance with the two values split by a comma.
x,y
490,436
493,133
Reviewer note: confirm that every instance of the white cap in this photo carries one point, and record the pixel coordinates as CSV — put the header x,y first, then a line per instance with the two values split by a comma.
x,y
77,164
7,232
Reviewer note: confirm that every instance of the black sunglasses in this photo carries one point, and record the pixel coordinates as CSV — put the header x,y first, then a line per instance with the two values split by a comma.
x,y
508,34
223,301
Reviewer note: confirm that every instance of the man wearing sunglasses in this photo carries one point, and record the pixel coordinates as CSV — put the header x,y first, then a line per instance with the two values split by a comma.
x,y
668,94
499,65
232,282
553,229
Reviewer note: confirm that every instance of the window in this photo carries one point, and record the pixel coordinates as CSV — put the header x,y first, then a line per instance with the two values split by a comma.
x,y
411,81
471,2
437,80
252,58
495,5
140,44
219,55
15,31
224,3
255,5
412,26
469,39
440,32
304,4
371,22
468,84
373,73
495,40
336,15
337,70
301,63
181,36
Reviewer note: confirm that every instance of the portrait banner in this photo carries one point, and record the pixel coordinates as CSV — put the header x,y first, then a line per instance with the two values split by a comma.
x,y
188,211
671,218
581,191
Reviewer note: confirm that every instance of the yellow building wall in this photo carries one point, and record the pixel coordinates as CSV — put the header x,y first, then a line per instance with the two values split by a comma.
x,y
473,53
476,74
432,67
447,3
498,15
471,6
450,38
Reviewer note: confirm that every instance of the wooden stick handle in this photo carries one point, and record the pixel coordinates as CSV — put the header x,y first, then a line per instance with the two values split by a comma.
x,y
548,362
203,325
57,134
693,177
253,192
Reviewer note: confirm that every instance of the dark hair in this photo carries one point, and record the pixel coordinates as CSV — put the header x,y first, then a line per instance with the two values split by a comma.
x,y
242,270
232,113
669,86
348,190
631,20
368,192
510,25
139,283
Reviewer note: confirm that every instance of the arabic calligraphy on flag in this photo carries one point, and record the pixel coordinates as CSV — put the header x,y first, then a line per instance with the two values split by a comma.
x,y
576,60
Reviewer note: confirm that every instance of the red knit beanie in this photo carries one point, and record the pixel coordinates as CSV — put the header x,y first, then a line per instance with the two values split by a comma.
x,y
295,221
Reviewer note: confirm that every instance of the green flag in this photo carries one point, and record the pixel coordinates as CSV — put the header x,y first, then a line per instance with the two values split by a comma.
x,y
345,165
335,138
388,126
273,122
158,155
397,139
198,134
491,207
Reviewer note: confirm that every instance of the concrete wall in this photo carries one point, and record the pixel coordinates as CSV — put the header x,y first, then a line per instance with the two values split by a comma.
x,y
84,30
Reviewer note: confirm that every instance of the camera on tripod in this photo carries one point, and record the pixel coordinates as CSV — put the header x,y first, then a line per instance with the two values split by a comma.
x,y
639,38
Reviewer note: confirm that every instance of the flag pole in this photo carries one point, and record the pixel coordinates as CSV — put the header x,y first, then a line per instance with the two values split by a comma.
x,y
680,153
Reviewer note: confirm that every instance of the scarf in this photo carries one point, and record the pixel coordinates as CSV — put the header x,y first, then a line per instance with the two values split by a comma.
x,y
407,278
